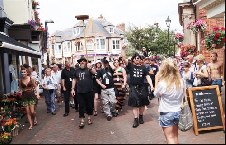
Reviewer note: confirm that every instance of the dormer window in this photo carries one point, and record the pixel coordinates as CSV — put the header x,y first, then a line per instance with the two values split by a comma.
x,y
76,31
111,30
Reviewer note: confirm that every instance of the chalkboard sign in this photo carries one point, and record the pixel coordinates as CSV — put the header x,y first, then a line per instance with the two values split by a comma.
x,y
207,108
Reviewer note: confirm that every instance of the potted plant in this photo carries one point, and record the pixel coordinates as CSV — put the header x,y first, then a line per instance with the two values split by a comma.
x,y
186,50
197,26
215,39
179,37
33,23
34,4
5,138
10,124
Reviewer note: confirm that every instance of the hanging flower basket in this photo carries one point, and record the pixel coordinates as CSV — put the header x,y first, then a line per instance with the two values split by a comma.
x,y
179,37
186,50
219,46
34,5
197,26
215,39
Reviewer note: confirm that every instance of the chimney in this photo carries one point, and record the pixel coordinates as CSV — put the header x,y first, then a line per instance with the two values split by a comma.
x,y
121,27
101,16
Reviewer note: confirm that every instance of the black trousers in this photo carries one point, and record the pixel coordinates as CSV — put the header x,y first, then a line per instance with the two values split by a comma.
x,y
67,95
86,103
76,100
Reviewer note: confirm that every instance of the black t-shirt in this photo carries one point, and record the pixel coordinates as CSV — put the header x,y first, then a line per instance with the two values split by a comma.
x,y
84,80
106,75
137,74
155,69
67,75
95,84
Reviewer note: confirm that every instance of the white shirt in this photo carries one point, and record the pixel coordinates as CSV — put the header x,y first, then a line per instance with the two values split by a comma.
x,y
57,76
34,75
170,101
50,82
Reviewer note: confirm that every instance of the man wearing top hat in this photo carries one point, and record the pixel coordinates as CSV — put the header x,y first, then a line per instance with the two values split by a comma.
x,y
83,78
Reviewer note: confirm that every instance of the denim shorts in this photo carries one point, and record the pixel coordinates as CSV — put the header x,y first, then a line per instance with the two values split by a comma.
x,y
167,119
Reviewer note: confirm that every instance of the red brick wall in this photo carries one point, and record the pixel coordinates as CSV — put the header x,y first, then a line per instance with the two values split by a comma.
x,y
211,23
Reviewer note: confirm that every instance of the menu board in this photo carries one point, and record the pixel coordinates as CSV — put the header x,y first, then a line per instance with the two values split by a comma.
x,y
207,109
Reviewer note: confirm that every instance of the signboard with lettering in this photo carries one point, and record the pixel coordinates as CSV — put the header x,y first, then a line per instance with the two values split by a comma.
x,y
207,108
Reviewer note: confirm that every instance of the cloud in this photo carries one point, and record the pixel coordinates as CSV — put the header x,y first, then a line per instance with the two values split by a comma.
x,y
136,12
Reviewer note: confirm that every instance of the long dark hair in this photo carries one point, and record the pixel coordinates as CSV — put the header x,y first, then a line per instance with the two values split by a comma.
x,y
135,55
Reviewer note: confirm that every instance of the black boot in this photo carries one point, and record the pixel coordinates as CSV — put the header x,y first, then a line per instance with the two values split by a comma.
x,y
141,121
135,123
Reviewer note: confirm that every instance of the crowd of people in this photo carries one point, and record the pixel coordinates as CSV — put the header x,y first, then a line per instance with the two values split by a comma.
x,y
106,84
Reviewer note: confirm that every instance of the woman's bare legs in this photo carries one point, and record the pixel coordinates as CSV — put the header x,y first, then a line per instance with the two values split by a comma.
x,y
29,118
95,103
171,134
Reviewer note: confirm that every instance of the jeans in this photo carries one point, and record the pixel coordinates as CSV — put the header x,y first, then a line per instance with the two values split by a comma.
x,y
50,100
217,82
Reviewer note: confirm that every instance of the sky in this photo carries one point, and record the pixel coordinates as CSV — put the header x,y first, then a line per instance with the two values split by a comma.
x,y
140,13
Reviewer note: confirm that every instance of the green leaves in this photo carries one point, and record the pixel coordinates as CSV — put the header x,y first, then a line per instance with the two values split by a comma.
x,y
153,38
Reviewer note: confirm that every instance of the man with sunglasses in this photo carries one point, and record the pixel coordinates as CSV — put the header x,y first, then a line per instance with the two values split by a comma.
x,y
138,94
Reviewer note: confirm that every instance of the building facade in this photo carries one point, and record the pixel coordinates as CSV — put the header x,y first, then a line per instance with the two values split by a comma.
x,y
95,39
20,42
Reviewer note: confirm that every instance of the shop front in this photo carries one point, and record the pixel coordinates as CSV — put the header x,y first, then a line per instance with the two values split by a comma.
x,y
12,55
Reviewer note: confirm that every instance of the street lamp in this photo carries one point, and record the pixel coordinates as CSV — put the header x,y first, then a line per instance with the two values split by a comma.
x,y
46,38
168,21
83,18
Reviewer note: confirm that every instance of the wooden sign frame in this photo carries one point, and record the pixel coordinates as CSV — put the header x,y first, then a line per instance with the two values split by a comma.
x,y
196,129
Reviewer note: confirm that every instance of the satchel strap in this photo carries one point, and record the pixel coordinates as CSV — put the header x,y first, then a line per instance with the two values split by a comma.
x,y
184,98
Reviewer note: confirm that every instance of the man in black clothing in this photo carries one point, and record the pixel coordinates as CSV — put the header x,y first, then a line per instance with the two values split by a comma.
x,y
107,89
138,94
153,71
83,78
66,82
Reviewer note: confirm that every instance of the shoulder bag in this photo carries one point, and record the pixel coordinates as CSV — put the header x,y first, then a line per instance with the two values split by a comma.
x,y
185,120
206,81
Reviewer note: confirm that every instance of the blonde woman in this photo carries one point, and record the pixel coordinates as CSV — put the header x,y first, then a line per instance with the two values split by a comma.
x,y
27,85
201,72
170,90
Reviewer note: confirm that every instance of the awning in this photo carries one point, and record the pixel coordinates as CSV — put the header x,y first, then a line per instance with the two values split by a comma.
x,y
7,42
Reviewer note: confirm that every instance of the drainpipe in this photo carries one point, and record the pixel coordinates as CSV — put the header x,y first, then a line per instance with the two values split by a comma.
x,y
194,10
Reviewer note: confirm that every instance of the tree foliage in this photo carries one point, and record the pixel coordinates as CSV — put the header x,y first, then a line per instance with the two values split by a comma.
x,y
153,38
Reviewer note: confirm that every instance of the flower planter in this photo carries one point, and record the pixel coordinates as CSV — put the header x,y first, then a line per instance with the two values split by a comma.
x,y
180,39
15,131
219,46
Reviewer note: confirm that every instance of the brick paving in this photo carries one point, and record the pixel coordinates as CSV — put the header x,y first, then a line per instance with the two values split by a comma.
x,y
56,129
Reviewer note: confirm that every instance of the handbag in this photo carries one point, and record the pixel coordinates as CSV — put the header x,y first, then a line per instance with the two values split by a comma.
x,y
206,81
185,119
